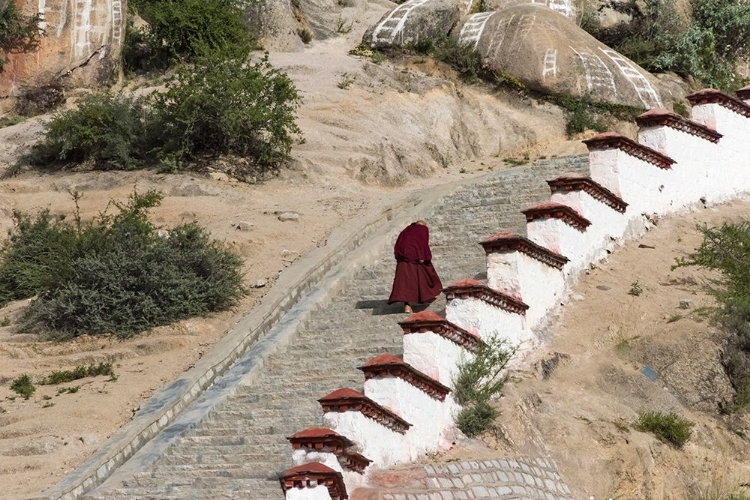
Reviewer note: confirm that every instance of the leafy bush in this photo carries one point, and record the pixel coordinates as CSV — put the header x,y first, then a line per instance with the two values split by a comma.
x,y
477,382
218,106
18,33
180,30
227,107
114,274
726,249
23,386
667,427
462,56
708,46
106,131
79,372
476,418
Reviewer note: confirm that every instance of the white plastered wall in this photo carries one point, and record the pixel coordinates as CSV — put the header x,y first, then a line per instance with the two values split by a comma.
x,y
692,177
319,492
608,226
559,237
540,286
730,170
375,441
430,417
485,320
434,355
640,184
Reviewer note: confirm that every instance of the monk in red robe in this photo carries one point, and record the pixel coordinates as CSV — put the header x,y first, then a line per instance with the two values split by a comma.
x,y
416,280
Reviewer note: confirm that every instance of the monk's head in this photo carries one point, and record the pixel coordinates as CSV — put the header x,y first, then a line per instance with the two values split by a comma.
x,y
421,223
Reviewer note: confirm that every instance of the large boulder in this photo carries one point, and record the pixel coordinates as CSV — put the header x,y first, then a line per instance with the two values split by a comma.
x,y
550,54
416,20
572,9
81,47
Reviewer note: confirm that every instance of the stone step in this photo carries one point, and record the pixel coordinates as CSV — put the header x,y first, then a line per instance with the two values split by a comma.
x,y
237,450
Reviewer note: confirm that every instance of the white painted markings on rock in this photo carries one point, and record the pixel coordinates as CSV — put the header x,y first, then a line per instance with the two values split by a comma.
x,y
472,30
390,27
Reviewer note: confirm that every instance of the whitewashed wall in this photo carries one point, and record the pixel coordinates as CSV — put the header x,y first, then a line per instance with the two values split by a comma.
x,y
480,318
433,355
607,225
431,418
378,443
539,285
319,492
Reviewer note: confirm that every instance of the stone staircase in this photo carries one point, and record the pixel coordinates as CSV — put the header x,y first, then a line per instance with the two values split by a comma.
x,y
239,449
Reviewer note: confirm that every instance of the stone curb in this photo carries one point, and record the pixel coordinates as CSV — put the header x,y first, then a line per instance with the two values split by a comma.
x,y
299,279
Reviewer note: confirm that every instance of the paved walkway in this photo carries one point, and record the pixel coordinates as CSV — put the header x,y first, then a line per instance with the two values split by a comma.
x,y
231,442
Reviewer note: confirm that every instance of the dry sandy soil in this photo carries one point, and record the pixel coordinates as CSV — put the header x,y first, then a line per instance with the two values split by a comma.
x,y
582,414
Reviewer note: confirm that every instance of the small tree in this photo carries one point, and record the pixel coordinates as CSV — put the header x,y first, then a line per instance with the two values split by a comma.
x,y
18,33
726,249
225,106
477,382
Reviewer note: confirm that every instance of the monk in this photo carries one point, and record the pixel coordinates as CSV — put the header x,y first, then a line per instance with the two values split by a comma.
x,y
416,280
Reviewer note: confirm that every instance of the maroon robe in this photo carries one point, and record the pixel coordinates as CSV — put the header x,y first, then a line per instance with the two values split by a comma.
x,y
415,282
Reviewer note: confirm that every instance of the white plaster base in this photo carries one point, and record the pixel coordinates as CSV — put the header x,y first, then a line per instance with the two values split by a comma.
x,y
375,441
486,320
317,493
434,355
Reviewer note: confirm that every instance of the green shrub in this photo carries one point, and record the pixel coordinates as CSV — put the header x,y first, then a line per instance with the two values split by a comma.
x,y
667,427
23,386
708,46
106,131
79,372
18,33
461,56
218,106
726,250
180,30
227,107
114,274
476,418
477,381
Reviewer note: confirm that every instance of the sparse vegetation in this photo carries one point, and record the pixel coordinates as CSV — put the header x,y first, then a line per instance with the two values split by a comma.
x,y
23,386
726,250
217,107
79,372
114,274
667,427
635,289
673,318
5,321
305,35
707,46
477,382
346,81
9,121
18,33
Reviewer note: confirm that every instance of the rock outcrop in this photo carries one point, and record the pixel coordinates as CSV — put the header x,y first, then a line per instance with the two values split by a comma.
x,y
81,47
416,20
552,55
572,9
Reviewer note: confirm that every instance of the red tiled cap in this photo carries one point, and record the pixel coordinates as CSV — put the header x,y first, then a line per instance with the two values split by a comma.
x,y
664,118
313,474
473,288
315,432
320,439
509,242
423,316
342,393
551,210
567,183
343,400
610,140
384,359
390,365
713,96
